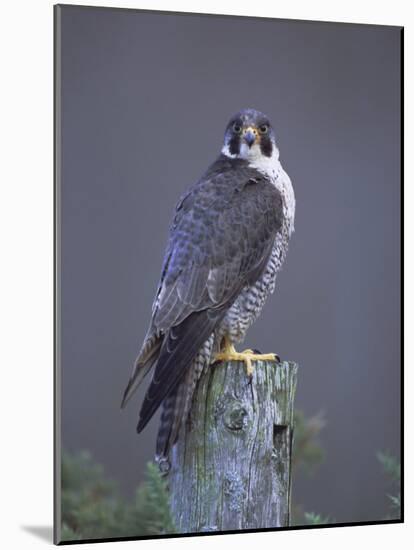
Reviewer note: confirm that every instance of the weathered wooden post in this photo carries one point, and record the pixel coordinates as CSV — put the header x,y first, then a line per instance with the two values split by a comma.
x,y
231,468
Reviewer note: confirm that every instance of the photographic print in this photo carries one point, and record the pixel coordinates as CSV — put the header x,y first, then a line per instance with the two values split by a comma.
x,y
228,195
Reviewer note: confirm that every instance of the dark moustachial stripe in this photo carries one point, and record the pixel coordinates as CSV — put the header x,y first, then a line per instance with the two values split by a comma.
x,y
266,146
234,144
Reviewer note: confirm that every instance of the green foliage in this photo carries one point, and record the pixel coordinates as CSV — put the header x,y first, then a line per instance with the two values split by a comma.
x,y
316,519
67,533
392,470
390,465
151,506
306,456
307,453
92,507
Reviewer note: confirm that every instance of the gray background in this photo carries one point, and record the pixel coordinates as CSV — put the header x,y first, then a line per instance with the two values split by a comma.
x,y
145,100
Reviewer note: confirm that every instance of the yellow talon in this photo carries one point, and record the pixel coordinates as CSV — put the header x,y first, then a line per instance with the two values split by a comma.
x,y
229,353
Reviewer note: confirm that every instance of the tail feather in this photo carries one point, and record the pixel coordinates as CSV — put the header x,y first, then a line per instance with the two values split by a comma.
x,y
176,406
170,422
144,362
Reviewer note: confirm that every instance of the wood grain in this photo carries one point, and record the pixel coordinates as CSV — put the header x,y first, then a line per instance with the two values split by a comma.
x,y
231,469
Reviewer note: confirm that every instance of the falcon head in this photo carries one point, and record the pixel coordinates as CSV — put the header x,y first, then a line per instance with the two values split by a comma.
x,y
250,136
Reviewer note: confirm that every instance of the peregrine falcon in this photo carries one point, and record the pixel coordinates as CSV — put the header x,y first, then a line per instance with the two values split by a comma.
x,y
227,241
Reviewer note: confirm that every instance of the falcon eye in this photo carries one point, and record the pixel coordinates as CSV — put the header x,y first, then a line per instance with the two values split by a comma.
x,y
263,129
237,128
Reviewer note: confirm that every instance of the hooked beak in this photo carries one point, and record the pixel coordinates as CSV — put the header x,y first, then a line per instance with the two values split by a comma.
x,y
250,136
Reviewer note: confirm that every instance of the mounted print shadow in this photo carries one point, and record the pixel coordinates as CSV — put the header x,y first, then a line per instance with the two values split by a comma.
x,y
228,274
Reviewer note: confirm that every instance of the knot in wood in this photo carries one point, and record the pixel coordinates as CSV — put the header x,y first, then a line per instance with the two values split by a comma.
x,y
235,416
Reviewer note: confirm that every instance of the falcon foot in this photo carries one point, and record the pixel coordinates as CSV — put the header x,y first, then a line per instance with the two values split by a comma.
x,y
229,353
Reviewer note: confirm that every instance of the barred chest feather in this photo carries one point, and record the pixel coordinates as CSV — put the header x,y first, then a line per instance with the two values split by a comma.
x,y
249,304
